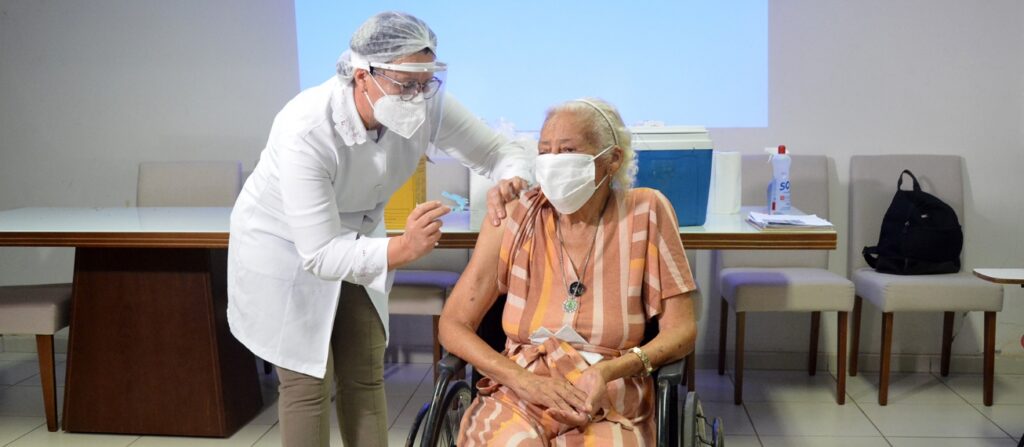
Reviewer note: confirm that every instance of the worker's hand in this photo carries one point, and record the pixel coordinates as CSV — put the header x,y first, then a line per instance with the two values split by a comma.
x,y
505,191
422,231
560,399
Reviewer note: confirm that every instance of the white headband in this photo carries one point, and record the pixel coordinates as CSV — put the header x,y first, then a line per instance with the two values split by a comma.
x,y
615,135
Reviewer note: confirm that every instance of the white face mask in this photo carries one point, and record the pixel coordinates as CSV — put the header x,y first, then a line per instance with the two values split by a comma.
x,y
400,117
567,180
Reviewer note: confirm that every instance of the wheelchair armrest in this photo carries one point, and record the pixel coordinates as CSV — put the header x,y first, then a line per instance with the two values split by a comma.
x,y
672,373
668,379
450,364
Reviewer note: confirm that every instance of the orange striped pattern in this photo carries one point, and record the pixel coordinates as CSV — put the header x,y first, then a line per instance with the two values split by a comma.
x,y
638,262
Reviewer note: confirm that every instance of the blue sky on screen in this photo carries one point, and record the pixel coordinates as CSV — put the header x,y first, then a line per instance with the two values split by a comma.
x,y
678,62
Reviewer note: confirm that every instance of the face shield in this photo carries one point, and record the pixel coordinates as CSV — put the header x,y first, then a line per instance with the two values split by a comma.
x,y
414,88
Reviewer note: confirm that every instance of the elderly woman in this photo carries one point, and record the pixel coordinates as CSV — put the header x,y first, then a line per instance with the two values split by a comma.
x,y
585,262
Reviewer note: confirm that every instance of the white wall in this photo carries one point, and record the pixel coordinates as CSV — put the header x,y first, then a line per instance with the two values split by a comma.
x,y
880,77
89,89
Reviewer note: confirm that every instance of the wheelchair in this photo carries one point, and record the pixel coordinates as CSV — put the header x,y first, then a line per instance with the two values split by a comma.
x,y
437,422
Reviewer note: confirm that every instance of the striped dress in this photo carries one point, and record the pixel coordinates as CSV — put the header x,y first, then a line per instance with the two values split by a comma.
x,y
638,261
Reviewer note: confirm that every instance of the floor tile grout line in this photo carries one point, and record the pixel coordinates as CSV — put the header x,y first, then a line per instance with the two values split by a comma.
x,y
973,407
271,428
409,398
137,439
886,438
963,397
873,424
26,380
26,433
746,411
1000,427
752,426
943,382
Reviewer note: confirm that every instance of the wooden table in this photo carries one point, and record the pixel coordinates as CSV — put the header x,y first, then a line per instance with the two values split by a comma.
x,y
150,351
719,232
1003,276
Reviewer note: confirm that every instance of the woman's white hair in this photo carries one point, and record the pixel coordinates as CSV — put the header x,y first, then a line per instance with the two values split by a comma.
x,y
604,127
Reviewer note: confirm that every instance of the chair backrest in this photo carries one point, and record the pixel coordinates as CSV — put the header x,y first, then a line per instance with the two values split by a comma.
x,y
809,177
873,183
189,183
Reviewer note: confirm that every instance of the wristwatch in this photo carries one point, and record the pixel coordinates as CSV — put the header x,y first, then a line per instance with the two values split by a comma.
x,y
643,358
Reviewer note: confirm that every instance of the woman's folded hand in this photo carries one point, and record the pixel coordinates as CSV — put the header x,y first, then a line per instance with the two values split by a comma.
x,y
563,401
595,386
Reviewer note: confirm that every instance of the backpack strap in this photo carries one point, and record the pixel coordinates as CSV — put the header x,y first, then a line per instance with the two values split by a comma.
x,y
870,255
899,184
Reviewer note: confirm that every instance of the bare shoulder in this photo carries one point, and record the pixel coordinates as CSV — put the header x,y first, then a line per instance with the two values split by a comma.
x,y
489,239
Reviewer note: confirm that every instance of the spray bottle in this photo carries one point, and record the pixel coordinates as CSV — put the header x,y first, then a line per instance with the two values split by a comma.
x,y
779,199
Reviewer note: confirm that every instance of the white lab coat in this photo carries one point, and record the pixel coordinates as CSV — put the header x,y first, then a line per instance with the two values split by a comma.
x,y
311,216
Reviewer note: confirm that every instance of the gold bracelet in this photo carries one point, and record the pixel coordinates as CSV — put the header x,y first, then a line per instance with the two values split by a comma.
x,y
643,358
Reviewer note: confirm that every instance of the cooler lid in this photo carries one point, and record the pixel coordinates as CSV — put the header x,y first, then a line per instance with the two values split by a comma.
x,y
670,137
668,130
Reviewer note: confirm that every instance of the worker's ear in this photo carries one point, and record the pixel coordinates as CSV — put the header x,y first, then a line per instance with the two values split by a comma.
x,y
359,78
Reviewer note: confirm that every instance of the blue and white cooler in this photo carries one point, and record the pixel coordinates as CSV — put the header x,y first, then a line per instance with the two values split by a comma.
x,y
676,160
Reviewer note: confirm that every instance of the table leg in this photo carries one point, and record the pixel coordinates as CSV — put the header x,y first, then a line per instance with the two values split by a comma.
x,y
150,351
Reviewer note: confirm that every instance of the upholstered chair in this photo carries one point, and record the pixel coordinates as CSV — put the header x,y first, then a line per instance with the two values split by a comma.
x,y
783,281
872,185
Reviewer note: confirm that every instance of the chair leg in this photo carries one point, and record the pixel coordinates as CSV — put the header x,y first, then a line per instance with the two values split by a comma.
x,y
858,303
812,351
741,327
947,342
48,377
723,335
990,357
841,359
883,369
437,345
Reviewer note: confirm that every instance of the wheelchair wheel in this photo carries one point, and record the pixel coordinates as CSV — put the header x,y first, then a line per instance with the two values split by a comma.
x,y
410,440
696,430
455,404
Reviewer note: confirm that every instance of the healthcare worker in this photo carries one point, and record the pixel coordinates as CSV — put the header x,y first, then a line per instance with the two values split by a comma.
x,y
309,262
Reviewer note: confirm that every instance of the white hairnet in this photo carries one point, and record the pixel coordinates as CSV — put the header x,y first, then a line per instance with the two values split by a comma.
x,y
385,37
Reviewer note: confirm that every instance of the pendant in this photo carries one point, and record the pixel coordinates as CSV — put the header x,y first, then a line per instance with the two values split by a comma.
x,y
576,289
570,305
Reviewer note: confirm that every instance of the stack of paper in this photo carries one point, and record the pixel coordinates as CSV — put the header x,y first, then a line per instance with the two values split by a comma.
x,y
788,221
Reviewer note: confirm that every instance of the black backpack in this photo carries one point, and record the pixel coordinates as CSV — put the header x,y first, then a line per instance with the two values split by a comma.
x,y
920,235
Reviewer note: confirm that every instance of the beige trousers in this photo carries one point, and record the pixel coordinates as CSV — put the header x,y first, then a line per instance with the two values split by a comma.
x,y
357,361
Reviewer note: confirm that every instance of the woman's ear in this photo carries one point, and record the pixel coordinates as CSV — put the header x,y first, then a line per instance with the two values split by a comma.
x,y
616,161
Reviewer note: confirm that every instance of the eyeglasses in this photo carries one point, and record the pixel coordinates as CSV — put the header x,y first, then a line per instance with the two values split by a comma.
x,y
409,90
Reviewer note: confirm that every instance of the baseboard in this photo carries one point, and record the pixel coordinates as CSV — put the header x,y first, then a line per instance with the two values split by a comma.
x,y
409,354
906,363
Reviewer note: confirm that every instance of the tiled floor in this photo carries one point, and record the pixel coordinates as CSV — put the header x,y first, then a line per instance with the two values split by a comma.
x,y
781,408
